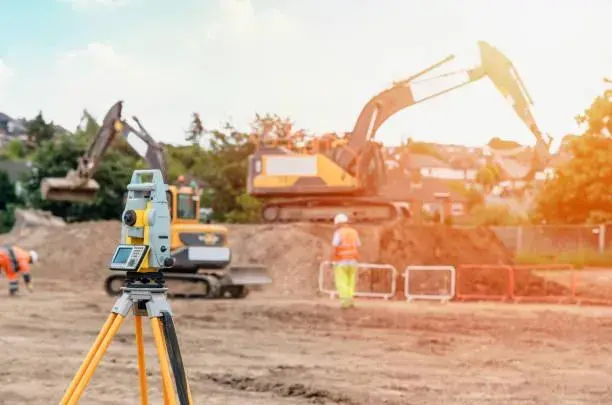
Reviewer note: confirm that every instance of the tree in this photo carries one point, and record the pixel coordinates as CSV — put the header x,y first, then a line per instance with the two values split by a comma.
x,y
579,192
196,130
488,176
38,131
226,175
14,150
8,201
54,158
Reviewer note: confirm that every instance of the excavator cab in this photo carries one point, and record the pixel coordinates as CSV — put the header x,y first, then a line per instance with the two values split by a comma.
x,y
196,245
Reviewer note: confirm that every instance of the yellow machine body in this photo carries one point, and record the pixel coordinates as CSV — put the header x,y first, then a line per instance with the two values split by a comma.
x,y
300,173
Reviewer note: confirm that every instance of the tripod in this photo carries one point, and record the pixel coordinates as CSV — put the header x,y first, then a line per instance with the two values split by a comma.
x,y
146,295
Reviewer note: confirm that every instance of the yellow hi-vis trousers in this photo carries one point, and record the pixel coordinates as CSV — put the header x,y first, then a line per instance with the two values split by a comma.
x,y
345,276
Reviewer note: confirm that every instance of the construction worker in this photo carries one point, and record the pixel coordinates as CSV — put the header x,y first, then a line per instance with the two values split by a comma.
x,y
345,254
16,261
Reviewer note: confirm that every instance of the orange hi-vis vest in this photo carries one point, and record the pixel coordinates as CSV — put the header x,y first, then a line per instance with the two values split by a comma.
x,y
17,259
348,247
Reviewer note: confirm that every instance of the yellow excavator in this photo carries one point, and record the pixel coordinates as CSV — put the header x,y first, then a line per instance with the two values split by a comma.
x,y
350,176
200,249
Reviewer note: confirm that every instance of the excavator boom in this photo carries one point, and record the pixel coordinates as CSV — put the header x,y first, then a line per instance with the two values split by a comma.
x,y
351,176
79,185
493,64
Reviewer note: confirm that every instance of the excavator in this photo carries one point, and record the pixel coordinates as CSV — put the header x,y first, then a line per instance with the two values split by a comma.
x,y
200,249
312,184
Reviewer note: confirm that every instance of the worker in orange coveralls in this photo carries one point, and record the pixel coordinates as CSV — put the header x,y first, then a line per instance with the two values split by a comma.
x,y
345,256
15,261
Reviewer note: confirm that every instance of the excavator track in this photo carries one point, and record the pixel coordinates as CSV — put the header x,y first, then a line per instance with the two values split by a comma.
x,y
210,285
323,209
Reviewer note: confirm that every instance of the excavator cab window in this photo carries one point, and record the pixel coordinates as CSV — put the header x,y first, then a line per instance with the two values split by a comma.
x,y
186,206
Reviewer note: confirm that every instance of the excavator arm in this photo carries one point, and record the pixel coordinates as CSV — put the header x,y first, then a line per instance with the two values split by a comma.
x,y
494,65
79,185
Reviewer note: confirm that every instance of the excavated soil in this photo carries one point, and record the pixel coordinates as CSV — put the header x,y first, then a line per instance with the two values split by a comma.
x,y
283,346
294,252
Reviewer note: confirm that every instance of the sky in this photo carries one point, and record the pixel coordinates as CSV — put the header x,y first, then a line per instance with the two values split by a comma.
x,y
317,62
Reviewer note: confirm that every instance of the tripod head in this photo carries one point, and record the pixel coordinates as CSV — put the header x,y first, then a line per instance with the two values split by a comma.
x,y
145,226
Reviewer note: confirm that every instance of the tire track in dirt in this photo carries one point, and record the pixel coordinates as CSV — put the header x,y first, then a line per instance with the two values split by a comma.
x,y
280,388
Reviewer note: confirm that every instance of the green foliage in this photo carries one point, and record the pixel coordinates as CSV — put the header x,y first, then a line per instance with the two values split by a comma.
x,y
580,190
54,158
494,215
39,131
14,150
248,211
226,176
8,202
488,176
196,131
7,191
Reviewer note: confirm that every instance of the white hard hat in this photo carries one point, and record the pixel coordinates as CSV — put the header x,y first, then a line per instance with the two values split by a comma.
x,y
33,256
340,219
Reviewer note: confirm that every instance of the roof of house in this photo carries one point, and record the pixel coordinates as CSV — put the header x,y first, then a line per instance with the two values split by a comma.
x,y
14,169
419,161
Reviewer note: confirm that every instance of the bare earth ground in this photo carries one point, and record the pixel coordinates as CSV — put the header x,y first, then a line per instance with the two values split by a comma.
x,y
308,352
286,346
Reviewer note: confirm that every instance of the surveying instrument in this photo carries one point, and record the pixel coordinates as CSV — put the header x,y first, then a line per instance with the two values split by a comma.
x,y
142,253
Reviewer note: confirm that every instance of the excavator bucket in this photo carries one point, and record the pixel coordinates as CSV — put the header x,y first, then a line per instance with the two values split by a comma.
x,y
68,188
249,275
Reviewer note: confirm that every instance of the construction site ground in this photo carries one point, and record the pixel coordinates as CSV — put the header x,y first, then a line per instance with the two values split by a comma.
x,y
287,345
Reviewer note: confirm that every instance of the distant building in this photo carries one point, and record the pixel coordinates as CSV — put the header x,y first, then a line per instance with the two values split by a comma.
x,y
430,167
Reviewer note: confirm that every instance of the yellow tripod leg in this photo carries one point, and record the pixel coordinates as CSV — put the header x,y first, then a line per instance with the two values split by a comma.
x,y
164,389
95,361
142,371
85,364
163,361
189,394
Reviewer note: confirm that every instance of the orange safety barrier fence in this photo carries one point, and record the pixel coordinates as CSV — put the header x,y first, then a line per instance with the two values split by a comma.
x,y
484,282
544,283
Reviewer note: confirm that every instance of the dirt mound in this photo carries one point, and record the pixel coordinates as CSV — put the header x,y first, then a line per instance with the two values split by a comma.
x,y
293,253
403,245
77,252
28,220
